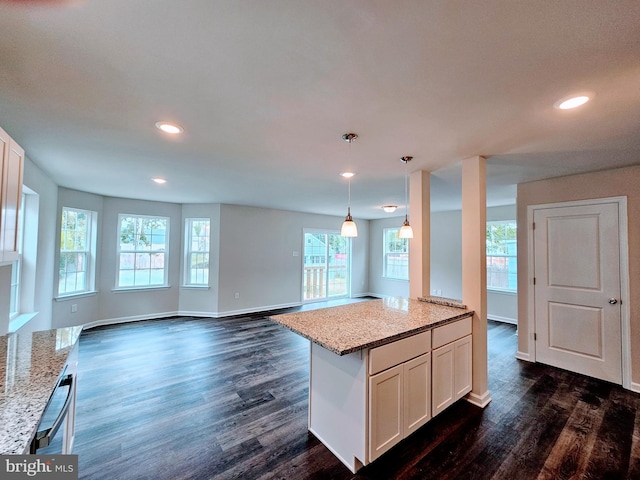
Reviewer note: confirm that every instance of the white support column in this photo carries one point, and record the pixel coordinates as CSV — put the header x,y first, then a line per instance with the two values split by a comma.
x,y
474,269
420,244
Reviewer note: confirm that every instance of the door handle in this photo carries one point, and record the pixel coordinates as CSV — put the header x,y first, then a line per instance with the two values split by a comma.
x,y
613,301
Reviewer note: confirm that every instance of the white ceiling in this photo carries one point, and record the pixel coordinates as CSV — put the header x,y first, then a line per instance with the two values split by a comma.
x,y
265,90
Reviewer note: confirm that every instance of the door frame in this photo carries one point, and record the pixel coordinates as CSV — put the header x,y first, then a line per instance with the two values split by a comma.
x,y
625,313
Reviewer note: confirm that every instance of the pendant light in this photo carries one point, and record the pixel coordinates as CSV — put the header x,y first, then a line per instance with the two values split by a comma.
x,y
349,228
406,231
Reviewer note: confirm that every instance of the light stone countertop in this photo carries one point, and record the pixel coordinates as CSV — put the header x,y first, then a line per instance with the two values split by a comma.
x,y
30,365
349,328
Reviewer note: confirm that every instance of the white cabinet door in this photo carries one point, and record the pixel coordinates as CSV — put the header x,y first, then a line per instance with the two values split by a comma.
x,y
462,366
386,410
443,389
452,368
12,160
417,393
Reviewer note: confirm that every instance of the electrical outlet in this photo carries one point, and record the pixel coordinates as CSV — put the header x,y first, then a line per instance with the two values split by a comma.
x,y
237,295
74,307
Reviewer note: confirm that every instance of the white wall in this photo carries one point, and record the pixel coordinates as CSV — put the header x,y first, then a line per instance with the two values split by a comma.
x,y
446,253
251,253
145,303
380,286
87,305
38,286
446,261
256,257
203,300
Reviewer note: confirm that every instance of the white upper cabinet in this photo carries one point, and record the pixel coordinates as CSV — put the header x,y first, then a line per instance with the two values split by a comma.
x,y
12,163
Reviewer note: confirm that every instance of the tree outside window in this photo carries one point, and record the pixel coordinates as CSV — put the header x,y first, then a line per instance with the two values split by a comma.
x,y
77,244
396,255
197,233
502,256
142,251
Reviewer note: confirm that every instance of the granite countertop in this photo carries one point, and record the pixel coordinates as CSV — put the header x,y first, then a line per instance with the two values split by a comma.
x,y
30,365
349,328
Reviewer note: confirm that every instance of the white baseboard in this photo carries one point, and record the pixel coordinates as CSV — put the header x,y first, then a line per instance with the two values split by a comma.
x,y
498,318
634,387
523,356
135,318
479,400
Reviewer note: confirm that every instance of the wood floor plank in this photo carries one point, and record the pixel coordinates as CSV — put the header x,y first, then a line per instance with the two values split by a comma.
x,y
194,398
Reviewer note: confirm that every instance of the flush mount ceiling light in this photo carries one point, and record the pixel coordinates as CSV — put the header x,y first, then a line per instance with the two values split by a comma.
x,y
389,208
349,228
573,101
159,181
168,127
406,231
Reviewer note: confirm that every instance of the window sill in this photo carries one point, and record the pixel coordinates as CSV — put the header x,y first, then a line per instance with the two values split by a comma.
x,y
71,296
195,287
395,279
139,289
502,292
20,321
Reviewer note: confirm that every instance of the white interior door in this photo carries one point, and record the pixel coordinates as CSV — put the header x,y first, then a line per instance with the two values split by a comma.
x,y
577,289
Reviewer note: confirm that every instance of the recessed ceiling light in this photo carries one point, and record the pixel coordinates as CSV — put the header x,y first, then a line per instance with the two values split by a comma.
x,y
347,174
168,127
159,181
389,208
574,101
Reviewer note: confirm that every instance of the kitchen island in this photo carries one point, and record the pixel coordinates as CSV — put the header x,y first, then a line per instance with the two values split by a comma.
x,y
381,369
31,366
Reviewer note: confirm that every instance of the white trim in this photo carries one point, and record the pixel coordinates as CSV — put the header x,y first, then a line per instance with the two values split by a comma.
x,y
498,318
134,318
138,289
501,291
20,321
71,296
625,312
479,400
523,356
634,387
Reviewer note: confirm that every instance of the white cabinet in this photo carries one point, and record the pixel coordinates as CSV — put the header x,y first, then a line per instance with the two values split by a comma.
x,y
399,403
12,164
363,403
386,410
399,397
451,364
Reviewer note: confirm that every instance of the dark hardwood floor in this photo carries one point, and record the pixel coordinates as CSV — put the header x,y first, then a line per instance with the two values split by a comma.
x,y
188,398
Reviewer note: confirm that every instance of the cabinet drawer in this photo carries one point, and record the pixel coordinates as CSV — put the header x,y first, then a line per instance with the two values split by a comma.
x,y
391,354
451,332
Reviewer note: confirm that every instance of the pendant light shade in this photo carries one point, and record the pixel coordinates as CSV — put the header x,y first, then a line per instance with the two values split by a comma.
x,y
349,227
406,231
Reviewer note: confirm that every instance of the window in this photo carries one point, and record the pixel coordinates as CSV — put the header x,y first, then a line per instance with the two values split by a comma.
x,y
77,251
16,267
396,255
326,265
142,251
197,251
502,256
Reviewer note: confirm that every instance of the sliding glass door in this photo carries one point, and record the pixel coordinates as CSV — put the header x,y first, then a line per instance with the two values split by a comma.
x,y
326,265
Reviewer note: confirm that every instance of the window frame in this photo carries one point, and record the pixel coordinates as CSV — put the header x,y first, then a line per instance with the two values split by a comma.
x,y
89,252
16,265
188,252
164,251
509,258
386,251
